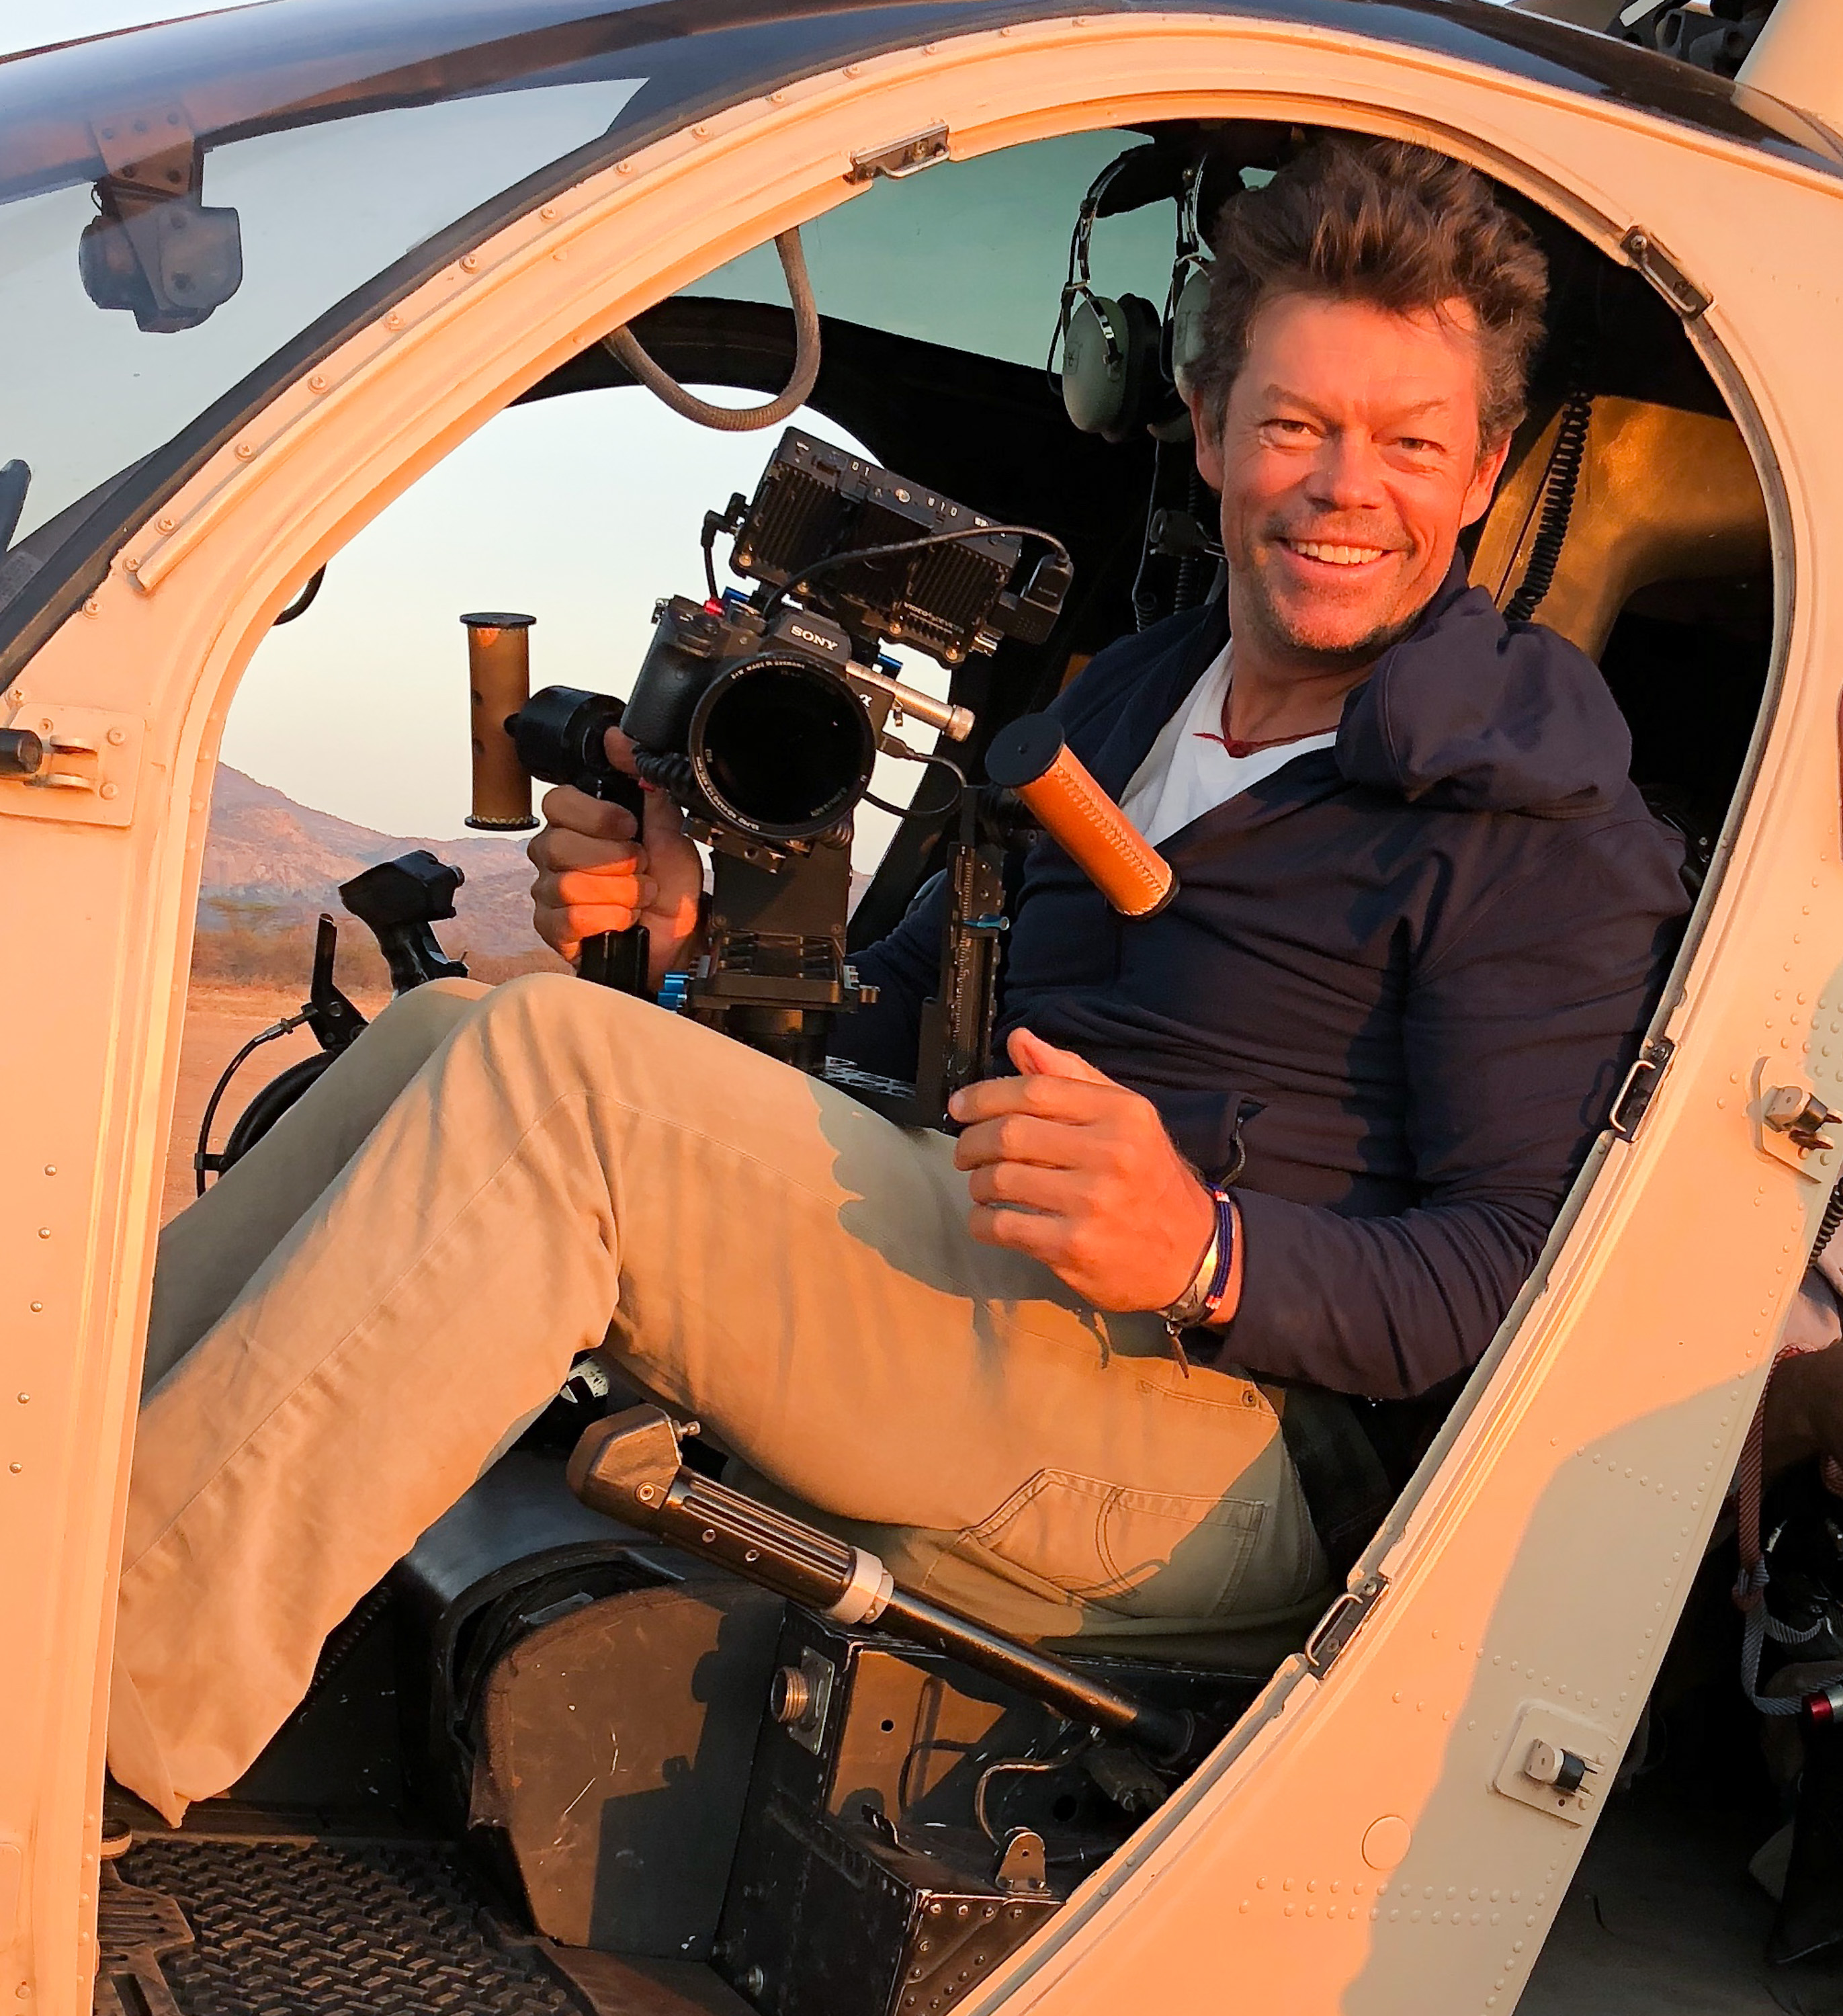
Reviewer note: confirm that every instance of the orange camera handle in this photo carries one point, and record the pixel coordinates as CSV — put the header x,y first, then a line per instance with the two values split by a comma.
x,y
1030,758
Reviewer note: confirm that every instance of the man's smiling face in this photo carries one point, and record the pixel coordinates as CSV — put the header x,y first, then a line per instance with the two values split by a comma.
x,y
1348,460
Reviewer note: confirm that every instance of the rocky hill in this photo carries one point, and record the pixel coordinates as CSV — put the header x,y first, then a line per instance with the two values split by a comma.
x,y
272,865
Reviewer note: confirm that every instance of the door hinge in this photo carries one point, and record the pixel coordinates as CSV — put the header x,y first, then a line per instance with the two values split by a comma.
x,y
1341,1623
79,765
900,157
1647,1073
1664,274
1789,1123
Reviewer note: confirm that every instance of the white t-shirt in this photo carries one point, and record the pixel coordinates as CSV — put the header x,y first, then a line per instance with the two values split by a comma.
x,y
1188,771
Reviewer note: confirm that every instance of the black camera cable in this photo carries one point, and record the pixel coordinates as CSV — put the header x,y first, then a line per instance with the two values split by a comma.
x,y
913,811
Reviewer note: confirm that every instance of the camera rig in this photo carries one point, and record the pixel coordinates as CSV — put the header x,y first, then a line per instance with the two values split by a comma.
x,y
761,713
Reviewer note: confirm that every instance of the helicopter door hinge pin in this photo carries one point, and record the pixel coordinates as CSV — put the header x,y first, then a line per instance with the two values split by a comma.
x,y
1799,1115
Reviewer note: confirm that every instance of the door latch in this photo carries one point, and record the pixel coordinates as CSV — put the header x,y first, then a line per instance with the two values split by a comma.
x,y
1634,1097
1341,1623
1664,274
900,158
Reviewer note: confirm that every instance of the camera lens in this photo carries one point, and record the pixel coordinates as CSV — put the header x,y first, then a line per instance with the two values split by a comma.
x,y
782,747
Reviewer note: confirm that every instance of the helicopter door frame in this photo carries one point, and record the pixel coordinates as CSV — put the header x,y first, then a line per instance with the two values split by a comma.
x,y
1367,1772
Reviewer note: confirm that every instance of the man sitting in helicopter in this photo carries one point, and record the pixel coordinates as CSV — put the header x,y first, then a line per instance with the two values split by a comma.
x,y
1316,1117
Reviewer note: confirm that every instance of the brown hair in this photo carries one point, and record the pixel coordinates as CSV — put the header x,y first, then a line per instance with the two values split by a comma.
x,y
1381,221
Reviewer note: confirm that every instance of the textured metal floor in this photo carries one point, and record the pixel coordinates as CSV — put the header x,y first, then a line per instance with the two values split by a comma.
x,y
241,1924
321,1928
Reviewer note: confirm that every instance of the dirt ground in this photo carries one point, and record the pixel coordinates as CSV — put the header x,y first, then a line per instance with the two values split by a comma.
x,y
219,1020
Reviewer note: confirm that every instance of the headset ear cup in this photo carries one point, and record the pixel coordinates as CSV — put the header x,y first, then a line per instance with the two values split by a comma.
x,y
1094,362
1144,390
1187,342
1111,383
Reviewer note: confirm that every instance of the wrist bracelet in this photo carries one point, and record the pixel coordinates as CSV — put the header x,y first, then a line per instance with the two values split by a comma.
x,y
1218,1286
1200,1301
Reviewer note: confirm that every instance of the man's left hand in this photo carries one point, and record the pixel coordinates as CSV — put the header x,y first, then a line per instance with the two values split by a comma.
x,y
1079,1172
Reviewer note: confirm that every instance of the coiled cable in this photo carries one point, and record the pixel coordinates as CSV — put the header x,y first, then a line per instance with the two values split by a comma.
x,y
1559,480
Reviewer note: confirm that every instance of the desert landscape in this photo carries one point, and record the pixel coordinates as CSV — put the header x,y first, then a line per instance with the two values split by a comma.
x,y
271,867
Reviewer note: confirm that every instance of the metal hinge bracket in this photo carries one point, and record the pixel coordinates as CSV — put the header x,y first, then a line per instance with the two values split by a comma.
x,y
1341,1623
1789,1122
900,157
86,768
1647,1073
1664,274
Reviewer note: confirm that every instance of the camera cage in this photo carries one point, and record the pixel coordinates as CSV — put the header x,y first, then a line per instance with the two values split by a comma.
x,y
887,559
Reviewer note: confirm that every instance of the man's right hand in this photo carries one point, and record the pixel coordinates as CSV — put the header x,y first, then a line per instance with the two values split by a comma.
x,y
595,874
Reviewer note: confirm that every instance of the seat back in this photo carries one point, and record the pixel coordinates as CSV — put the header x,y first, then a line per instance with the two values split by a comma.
x,y
1663,495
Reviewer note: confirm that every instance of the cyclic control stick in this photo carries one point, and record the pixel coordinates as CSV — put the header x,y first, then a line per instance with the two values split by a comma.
x,y
629,1467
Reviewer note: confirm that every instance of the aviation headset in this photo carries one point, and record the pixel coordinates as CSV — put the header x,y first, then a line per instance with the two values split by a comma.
x,y
1120,357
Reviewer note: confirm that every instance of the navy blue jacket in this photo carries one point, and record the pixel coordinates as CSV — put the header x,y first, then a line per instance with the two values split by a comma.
x,y
1413,968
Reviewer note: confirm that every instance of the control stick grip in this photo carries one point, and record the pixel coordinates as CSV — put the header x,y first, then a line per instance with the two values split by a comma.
x,y
1030,758
628,1467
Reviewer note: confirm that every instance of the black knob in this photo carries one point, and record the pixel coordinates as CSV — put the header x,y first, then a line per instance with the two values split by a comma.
x,y
22,752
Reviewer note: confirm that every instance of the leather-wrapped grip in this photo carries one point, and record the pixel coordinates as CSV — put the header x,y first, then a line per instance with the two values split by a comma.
x,y
1030,758
499,684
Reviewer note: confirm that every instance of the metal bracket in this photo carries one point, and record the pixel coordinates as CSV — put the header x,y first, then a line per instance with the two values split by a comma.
x,y
1341,1623
901,158
1789,1121
153,248
1634,1099
1566,1735
1664,274
90,765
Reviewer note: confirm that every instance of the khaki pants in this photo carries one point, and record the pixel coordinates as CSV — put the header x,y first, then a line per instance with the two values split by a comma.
x,y
346,1328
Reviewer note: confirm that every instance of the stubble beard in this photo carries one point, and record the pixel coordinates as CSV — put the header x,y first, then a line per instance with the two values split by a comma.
x,y
1285,636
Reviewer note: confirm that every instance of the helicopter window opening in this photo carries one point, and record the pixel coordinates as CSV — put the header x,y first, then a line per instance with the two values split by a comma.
x,y
347,743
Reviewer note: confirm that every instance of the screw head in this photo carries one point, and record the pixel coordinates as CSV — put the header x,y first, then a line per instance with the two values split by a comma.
x,y
111,791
